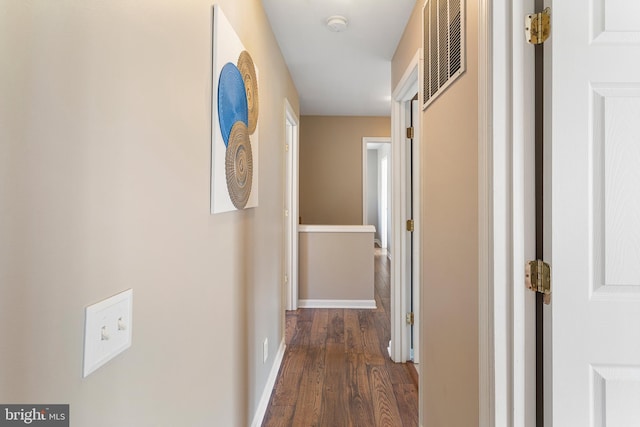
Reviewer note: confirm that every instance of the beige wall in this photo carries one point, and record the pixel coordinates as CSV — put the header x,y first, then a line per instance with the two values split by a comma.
x,y
449,165
104,185
331,166
336,265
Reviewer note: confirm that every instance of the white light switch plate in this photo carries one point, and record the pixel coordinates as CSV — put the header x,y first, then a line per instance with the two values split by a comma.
x,y
107,330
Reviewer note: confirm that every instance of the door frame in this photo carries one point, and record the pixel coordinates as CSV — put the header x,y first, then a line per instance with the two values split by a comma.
x,y
365,178
506,80
291,205
399,347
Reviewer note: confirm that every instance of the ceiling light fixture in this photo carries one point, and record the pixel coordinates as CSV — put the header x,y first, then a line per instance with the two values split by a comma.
x,y
337,23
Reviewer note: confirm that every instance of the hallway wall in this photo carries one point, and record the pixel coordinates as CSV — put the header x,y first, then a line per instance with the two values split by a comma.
x,y
331,166
105,150
449,163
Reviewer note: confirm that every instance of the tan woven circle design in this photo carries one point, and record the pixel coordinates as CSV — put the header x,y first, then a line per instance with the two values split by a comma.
x,y
248,71
239,165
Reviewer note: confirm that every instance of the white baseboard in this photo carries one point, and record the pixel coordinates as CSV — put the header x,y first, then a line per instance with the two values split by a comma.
x,y
337,303
258,417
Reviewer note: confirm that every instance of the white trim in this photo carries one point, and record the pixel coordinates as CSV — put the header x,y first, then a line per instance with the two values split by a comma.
x,y
365,171
523,302
377,242
400,331
384,194
376,140
292,202
338,303
261,410
417,247
308,228
485,255
499,222
505,380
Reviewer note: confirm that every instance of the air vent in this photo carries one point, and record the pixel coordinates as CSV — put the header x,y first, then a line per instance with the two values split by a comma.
x,y
444,52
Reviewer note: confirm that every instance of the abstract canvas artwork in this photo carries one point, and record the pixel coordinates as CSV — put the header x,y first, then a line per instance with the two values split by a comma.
x,y
234,121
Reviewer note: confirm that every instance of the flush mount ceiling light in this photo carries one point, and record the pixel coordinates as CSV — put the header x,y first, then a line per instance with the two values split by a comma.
x,y
337,23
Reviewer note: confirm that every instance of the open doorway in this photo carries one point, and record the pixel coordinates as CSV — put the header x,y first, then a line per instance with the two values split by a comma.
x,y
376,189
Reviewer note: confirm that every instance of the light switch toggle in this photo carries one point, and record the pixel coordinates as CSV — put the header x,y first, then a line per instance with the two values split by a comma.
x,y
104,333
121,325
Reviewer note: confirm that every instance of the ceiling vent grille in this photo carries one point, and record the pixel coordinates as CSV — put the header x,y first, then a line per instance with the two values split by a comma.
x,y
444,50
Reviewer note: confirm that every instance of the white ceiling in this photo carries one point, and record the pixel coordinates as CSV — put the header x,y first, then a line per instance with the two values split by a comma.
x,y
341,74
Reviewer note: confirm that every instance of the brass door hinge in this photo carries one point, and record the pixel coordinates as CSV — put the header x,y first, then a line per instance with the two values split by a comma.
x,y
410,318
538,278
538,26
410,225
410,133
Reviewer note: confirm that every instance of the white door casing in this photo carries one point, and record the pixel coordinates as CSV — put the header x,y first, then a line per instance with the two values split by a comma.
x,y
523,178
400,331
384,193
592,230
506,221
414,249
291,207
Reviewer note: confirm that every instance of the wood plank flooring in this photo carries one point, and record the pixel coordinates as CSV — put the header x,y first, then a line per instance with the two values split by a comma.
x,y
336,370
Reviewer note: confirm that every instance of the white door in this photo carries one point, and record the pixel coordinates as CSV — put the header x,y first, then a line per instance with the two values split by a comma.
x,y
592,61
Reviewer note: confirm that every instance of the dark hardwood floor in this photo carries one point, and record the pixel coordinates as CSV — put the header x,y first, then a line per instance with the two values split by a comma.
x,y
336,370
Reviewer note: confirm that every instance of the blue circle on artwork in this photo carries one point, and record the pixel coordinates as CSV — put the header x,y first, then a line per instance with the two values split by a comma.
x,y
232,100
